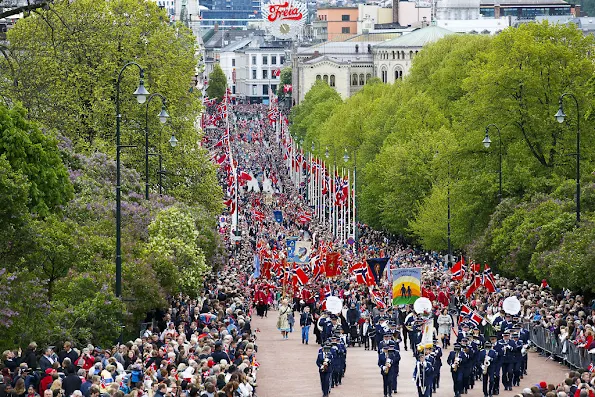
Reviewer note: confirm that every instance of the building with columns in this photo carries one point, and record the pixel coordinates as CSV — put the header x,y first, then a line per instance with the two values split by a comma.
x,y
348,65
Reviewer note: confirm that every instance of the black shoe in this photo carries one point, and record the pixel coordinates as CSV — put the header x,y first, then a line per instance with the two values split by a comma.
x,y
306,342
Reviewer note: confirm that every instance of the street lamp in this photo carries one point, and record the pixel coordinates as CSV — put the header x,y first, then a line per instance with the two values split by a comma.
x,y
487,142
560,117
141,96
163,116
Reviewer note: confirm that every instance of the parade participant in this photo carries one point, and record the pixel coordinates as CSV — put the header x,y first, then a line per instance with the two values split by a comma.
x,y
384,342
395,356
324,361
396,335
408,330
437,355
497,364
455,360
364,331
517,357
506,346
336,365
488,357
283,320
353,316
467,366
260,299
305,322
422,375
524,339
385,363
372,334
444,327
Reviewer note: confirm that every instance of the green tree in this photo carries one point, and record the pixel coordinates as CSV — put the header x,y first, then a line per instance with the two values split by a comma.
x,y
34,155
284,79
217,83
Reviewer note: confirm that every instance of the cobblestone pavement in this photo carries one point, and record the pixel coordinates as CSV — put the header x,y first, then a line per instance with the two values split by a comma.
x,y
288,368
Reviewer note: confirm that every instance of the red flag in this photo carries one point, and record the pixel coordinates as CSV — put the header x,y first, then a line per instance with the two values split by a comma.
x,y
488,279
299,276
332,264
465,311
258,215
474,286
377,300
220,159
476,318
244,176
458,270
475,268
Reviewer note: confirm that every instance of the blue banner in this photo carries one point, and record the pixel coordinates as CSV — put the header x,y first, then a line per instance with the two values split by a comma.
x,y
377,266
278,216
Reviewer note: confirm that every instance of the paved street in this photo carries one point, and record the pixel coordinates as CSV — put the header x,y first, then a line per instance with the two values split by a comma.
x,y
288,368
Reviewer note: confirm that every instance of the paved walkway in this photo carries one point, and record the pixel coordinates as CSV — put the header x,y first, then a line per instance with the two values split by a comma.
x,y
288,368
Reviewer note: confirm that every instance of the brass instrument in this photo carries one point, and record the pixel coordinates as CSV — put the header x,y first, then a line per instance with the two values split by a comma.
x,y
325,363
455,365
387,365
486,364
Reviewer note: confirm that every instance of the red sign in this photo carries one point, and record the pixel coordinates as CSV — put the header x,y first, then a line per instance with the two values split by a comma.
x,y
284,12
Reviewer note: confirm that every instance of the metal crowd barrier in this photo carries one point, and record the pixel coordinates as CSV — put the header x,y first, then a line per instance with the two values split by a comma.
x,y
568,353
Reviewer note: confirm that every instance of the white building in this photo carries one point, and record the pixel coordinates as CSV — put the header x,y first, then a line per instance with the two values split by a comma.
x,y
393,58
251,65
347,66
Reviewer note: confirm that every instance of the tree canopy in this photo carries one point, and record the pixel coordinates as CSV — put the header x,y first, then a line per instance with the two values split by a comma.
x,y
419,146
217,83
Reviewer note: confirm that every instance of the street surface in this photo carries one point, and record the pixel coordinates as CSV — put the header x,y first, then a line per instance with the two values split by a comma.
x,y
288,368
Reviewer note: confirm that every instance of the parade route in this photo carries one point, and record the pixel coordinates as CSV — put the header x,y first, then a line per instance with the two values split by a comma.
x,y
288,368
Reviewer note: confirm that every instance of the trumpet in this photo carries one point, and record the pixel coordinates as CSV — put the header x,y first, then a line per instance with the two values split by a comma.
x,y
387,365
486,364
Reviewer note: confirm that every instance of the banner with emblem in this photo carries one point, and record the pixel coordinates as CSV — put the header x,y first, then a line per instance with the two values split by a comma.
x,y
298,251
406,285
427,335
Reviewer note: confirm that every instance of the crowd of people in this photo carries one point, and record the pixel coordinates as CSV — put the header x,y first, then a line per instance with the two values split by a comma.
x,y
205,346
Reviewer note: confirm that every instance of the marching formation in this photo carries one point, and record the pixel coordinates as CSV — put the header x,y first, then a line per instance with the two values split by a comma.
x,y
292,216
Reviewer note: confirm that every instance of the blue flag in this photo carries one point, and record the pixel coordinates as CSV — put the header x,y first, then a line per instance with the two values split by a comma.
x,y
278,216
377,266
256,273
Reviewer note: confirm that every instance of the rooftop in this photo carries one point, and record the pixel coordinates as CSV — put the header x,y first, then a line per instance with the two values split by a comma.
x,y
417,38
342,59
484,3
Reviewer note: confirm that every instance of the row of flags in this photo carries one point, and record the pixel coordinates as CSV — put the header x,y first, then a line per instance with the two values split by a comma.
x,y
480,279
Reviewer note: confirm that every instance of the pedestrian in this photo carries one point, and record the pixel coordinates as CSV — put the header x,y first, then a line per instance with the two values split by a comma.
x,y
306,321
444,327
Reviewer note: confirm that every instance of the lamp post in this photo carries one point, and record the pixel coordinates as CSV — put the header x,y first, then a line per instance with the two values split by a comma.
x,y
173,142
560,117
163,116
141,96
487,142
346,159
448,217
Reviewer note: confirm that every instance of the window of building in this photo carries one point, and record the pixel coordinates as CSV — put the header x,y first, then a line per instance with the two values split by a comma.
x,y
233,62
332,84
254,88
274,87
318,77
344,17
410,54
265,74
398,74
368,77
253,59
354,79
273,59
233,89
265,89
345,29
384,75
325,78
361,79
282,59
254,73
265,59
394,55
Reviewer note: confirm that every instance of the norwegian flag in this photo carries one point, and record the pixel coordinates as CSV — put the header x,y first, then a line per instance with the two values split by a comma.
x,y
299,276
475,267
465,311
326,292
287,88
377,300
276,72
476,318
591,368
258,215
458,270
220,159
488,279
477,281
342,187
305,217
363,274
